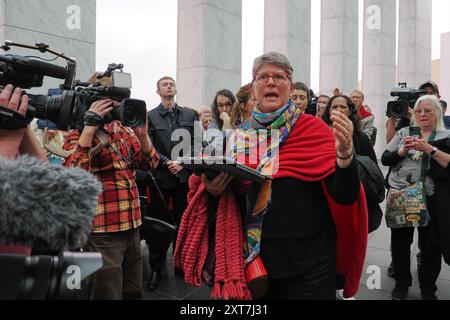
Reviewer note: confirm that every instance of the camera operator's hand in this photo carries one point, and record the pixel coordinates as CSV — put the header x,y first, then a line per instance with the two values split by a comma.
x,y
10,98
102,107
10,140
410,113
142,132
143,137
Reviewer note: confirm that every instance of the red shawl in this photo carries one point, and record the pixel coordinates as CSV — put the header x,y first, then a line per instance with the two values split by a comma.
x,y
308,154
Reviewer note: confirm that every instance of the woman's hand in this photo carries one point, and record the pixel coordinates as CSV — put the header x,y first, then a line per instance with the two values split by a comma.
x,y
218,185
421,145
407,146
343,133
225,117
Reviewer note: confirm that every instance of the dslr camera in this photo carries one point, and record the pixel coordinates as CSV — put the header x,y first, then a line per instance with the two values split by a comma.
x,y
406,98
67,109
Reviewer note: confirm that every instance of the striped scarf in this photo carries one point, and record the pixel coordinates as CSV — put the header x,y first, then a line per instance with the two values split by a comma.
x,y
278,125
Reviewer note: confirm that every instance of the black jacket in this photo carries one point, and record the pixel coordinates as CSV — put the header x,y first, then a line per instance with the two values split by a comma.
x,y
162,123
441,178
363,147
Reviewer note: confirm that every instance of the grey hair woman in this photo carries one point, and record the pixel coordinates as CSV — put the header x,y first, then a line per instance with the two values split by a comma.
x,y
410,150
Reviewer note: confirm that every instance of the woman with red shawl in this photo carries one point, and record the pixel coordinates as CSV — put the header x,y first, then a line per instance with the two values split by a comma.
x,y
308,224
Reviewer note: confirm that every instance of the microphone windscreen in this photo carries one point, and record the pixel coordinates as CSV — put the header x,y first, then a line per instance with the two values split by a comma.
x,y
45,204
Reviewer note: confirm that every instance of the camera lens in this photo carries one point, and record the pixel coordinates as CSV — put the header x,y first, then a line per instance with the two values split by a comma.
x,y
133,113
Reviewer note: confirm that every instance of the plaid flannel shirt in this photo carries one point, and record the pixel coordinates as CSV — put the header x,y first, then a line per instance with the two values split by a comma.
x,y
118,206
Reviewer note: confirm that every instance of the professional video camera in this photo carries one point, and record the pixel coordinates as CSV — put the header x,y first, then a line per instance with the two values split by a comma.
x,y
406,98
66,110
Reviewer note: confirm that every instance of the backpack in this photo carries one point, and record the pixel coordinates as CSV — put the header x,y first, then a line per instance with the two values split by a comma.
x,y
372,179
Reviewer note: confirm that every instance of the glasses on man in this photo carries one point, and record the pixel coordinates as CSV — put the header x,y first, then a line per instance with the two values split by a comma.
x,y
278,78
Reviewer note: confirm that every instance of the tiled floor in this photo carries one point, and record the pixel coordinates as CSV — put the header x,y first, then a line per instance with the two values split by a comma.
x,y
173,287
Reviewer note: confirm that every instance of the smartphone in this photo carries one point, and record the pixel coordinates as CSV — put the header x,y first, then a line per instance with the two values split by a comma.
x,y
414,132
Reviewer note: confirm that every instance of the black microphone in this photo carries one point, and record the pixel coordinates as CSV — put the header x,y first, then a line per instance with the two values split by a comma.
x,y
27,65
46,205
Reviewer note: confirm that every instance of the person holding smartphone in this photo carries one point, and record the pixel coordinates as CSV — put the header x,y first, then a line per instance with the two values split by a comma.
x,y
404,156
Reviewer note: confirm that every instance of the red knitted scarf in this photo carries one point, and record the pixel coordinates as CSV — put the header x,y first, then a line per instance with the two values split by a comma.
x,y
193,240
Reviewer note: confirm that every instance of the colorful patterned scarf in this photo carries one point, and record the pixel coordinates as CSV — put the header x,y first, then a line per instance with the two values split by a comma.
x,y
277,127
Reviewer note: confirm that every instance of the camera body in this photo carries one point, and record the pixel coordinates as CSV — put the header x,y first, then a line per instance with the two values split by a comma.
x,y
406,98
67,109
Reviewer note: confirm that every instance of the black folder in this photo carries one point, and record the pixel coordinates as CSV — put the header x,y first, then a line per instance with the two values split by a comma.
x,y
212,166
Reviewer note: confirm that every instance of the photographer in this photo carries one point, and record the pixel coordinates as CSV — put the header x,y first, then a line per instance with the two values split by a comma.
x,y
111,152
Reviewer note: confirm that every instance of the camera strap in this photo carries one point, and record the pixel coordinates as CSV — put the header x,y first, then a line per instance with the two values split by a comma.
x,y
92,119
12,120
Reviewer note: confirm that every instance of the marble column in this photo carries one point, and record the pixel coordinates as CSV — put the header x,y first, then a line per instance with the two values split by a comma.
x,y
288,30
209,49
445,67
67,26
379,61
339,46
414,43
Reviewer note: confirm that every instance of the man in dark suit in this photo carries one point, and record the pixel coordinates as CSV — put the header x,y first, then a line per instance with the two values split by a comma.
x,y
167,123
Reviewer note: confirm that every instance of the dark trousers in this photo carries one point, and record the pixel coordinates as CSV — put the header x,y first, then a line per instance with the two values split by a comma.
x,y
178,197
431,255
121,274
319,286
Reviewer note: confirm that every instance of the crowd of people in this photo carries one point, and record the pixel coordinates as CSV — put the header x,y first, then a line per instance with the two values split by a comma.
x,y
307,231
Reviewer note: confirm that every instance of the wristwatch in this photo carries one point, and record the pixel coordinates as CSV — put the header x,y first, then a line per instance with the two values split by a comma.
x,y
434,151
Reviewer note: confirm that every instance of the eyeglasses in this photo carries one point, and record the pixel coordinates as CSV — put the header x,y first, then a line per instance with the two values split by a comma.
x,y
297,97
220,105
278,78
423,111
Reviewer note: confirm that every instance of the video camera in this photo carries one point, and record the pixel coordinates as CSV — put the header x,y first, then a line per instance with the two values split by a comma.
x,y
66,110
45,277
406,98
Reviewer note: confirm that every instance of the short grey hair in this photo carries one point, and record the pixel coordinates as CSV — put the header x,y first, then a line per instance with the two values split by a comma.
x,y
436,104
274,58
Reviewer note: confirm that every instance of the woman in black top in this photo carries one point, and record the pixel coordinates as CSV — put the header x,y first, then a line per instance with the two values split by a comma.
x,y
361,145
